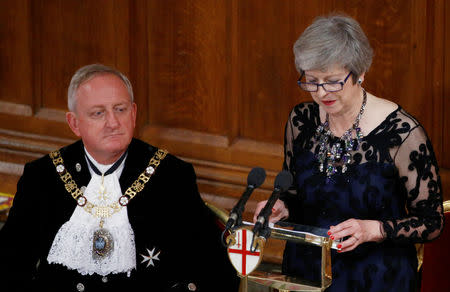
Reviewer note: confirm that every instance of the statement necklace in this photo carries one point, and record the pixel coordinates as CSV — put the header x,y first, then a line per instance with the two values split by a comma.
x,y
338,153
103,242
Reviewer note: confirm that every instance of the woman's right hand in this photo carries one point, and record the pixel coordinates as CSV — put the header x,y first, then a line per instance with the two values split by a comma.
x,y
279,211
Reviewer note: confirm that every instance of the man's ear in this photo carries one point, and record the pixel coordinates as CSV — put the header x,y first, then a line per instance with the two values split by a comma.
x,y
72,120
134,112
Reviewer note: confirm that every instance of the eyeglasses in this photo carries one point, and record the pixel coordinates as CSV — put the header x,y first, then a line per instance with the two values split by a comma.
x,y
327,86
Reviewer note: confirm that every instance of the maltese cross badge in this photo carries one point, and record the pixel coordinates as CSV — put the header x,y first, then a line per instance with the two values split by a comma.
x,y
150,257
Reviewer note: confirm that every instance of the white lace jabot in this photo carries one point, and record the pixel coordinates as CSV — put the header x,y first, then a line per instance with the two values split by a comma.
x,y
73,244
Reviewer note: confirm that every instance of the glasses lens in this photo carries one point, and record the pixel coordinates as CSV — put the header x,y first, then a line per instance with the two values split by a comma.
x,y
332,86
308,86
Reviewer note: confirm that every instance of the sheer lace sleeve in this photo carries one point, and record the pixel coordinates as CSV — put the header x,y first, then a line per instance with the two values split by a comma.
x,y
418,173
298,130
290,197
288,145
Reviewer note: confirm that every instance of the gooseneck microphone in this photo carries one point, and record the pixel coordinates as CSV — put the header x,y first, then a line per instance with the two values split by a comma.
x,y
255,179
282,183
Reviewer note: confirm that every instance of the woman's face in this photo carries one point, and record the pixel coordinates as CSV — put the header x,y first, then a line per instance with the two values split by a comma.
x,y
339,102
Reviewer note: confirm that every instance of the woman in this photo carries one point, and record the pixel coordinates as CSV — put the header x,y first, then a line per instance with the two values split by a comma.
x,y
357,160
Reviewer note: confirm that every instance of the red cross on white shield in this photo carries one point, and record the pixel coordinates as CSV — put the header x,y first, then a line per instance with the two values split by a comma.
x,y
243,260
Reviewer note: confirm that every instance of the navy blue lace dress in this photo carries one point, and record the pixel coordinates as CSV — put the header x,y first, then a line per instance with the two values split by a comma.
x,y
393,178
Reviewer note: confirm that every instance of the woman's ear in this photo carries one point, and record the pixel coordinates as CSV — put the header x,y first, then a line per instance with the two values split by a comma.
x,y
361,78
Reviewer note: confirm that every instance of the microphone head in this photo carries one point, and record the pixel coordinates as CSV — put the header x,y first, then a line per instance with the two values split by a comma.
x,y
283,181
256,177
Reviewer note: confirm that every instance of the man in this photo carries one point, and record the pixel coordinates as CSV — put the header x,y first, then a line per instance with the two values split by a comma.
x,y
110,212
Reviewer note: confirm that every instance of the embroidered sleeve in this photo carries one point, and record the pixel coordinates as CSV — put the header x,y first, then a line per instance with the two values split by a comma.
x,y
418,173
297,136
289,197
288,145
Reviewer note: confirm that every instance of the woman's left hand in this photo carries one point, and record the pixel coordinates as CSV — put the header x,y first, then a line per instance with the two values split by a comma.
x,y
358,231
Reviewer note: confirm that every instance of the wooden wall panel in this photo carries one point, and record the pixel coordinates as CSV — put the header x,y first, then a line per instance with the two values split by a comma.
x,y
445,138
16,73
188,65
214,80
70,34
265,62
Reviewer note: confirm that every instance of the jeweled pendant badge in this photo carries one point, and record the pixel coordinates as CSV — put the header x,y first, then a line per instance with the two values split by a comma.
x,y
102,244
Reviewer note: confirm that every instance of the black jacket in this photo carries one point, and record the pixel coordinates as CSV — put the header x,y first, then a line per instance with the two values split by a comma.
x,y
167,214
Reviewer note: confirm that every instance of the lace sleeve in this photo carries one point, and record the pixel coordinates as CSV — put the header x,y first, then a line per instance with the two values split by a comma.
x,y
288,145
419,175
290,197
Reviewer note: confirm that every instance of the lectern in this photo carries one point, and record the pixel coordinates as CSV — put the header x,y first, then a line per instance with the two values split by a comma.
x,y
246,251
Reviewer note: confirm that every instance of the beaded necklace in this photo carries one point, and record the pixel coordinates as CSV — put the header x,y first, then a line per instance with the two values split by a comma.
x,y
338,153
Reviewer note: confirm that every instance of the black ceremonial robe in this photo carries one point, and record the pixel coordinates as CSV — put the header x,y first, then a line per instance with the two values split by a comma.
x,y
168,215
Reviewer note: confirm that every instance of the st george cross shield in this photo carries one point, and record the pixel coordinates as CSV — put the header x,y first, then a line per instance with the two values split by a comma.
x,y
244,259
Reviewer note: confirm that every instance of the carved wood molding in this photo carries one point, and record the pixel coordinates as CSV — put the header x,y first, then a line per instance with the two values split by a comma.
x,y
239,152
15,108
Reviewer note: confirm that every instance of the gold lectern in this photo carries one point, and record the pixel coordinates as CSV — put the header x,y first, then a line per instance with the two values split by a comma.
x,y
249,269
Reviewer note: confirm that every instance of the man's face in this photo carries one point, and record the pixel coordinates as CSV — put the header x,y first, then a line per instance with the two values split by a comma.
x,y
104,117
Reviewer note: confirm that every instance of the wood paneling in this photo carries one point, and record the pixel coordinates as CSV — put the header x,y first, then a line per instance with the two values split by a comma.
x,y
188,65
68,35
445,138
214,80
265,58
16,70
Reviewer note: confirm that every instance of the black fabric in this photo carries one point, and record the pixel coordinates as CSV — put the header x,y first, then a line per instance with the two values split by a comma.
x,y
168,214
393,178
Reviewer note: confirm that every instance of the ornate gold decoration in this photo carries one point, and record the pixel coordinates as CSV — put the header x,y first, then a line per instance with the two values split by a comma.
x,y
106,211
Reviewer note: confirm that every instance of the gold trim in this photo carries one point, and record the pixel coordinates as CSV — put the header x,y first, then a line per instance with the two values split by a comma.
x,y
419,251
220,213
130,193
446,206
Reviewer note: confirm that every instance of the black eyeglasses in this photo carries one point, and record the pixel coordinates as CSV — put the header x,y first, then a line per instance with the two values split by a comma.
x,y
327,86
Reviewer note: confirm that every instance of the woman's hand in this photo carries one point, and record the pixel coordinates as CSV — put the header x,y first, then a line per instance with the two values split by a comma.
x,y
279,211
358,231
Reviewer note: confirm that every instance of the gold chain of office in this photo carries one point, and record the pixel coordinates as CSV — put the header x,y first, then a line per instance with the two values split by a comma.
x,y
106,211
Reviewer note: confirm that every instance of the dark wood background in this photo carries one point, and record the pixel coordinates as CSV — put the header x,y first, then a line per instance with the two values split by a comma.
x,y
214,80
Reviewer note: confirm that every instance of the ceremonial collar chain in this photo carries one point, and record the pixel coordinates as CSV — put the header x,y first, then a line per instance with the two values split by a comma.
x,y
130,193
337,152
102,238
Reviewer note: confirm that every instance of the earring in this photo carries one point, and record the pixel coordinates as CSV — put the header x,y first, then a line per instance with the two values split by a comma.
x,y
359,81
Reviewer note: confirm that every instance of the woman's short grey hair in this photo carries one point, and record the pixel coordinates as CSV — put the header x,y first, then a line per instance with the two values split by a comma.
x,y
88,72
333,40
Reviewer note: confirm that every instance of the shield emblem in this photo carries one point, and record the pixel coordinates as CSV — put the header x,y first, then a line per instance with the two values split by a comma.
x,y
242,257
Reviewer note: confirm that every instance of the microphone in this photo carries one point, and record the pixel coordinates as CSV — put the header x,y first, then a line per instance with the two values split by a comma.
x,y
254,179
282,183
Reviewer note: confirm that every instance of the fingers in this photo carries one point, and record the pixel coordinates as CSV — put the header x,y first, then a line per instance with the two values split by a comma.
x,y
350,229
350,244
344,229
279,211
258,209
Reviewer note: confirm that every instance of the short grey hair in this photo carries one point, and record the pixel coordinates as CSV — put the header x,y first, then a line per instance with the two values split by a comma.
x,y
333,40
88,72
